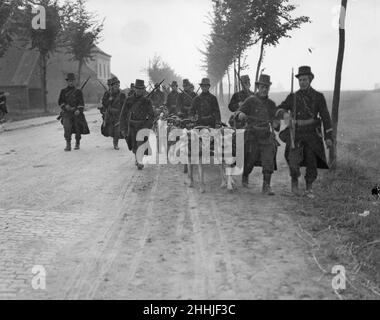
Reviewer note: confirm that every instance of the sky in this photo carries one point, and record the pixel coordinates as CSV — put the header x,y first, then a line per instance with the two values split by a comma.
x,y
136,31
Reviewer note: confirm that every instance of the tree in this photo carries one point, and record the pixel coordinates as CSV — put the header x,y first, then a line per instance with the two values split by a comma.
x,y
46,40
238,24
271,21
9,16
333,154
81,33
159,70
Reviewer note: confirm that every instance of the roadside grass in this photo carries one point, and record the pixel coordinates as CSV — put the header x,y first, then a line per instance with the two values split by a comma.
x,y
345,222
344,219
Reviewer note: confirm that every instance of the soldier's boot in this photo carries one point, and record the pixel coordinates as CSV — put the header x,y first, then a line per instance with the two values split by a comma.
x,y
77,145
139,166
116,144
309,190
245,181
267,190
68,146
295,189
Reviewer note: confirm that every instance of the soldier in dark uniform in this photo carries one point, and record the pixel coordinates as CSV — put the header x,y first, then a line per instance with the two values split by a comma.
x,y
131,90
3,105
260,140
113,107
311,111
158,99
239,97
171,100
105,98
185,99
137,113
73,119
205,107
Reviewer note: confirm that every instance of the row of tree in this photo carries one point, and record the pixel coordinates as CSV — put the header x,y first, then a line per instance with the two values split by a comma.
x,y
67,27
236,25
159,70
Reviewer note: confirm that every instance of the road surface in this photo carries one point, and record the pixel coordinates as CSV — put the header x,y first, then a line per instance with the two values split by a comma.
x,y
103,230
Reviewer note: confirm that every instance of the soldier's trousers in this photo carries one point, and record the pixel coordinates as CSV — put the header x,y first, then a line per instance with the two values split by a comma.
x,y
301,153
264,153
71,124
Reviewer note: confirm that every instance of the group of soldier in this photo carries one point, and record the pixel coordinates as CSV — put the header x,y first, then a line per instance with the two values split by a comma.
x,y
124,115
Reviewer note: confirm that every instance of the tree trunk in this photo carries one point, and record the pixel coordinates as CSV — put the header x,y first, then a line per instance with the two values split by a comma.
x,y
80,66
43,72
221,92
333,153
238,75
260,61
229,83
235,76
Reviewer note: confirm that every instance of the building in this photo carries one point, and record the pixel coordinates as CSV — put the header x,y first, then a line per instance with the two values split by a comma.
x,y
20,76
101,65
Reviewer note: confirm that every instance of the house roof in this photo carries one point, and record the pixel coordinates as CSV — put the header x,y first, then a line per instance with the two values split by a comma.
x,y
98,50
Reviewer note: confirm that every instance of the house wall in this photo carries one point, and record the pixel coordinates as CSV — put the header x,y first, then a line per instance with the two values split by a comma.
x,y
101,65
20,76
18,99
59,65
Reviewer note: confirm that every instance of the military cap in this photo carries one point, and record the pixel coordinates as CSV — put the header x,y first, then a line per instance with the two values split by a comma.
x,y
70,76
205,82
140,84
114,80
264,79
304,71
245,79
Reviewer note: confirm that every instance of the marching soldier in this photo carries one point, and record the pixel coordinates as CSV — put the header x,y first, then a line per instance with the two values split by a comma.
x,y
158,99
166,91
260,140
185,99
105,98
3,105
137,113
131,90
310,111
239,97
205,107
73,119
237,101
113,108
171,100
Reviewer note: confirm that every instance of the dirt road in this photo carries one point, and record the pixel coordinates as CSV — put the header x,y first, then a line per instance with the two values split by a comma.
x,y
101,229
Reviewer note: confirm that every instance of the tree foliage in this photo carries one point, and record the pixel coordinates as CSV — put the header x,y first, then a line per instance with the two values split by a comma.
x,y
159,70
236,25
81,32
9,18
